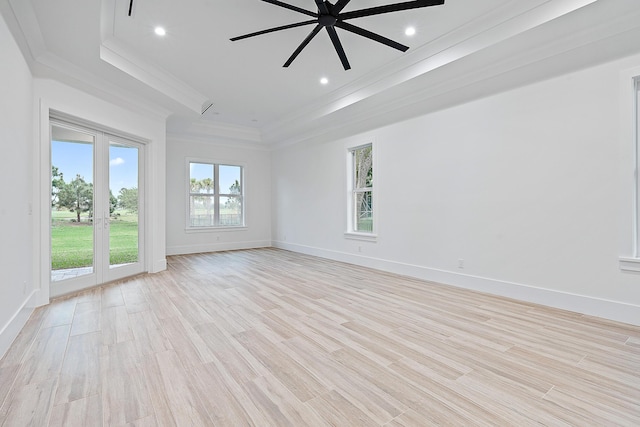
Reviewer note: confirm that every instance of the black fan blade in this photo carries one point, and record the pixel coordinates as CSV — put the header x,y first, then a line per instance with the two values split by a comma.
x,y
322,7
304,44
390,8
338,46
291,7
271,30
373,36
340,4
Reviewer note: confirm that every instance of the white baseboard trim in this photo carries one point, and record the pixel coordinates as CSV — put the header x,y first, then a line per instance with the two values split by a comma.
x,y
216,247
12,328
607,309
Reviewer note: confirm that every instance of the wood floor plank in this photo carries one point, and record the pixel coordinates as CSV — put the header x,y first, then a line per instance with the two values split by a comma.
x,y
30,404
373,401
267,337
338,411
299,380
224,400
190,346
87,318
85,412
59,312
115,326
125,395
181,397
297,413
80,376
45,357
584,412
148,333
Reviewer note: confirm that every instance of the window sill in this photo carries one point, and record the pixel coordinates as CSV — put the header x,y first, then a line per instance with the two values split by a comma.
x,y
629,264
215,229
367,237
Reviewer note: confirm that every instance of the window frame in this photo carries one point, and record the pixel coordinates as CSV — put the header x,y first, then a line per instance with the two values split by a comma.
x,y
636,159
630,143
352,231
216,195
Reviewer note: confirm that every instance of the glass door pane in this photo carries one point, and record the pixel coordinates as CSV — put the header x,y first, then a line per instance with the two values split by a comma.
x,y
124,248
72,196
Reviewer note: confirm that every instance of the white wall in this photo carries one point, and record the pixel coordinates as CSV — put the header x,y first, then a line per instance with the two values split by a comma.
x,y
16,282
524,186
257,188
50,96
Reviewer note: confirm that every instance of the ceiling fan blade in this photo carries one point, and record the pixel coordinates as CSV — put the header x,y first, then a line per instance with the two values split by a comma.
x,y
390,8
271,30
338,46
291,7
322,7
340,4
304,44
373,36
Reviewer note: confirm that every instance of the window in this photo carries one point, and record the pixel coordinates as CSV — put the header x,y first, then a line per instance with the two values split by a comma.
x,y
215,195
631,149
636,145
361,192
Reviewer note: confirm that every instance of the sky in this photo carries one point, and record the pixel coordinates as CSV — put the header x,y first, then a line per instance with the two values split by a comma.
x,y
72,158
228,174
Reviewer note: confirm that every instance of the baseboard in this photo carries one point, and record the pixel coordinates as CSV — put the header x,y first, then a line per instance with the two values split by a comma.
x,y
612,310
12,328
216,247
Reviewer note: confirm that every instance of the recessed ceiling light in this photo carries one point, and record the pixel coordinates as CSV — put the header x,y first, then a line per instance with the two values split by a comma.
x,y
324,81
410,31
160,31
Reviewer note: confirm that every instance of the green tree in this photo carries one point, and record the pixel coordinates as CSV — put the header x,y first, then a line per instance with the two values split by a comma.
x,y
235,188
113,203
203,186
233,203
128,199
77,196
57,183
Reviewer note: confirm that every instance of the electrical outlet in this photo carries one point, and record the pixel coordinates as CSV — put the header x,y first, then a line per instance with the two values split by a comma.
x,y
461,263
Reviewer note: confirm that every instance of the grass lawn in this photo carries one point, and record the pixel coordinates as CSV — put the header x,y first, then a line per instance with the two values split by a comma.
x,y
365,224
72,242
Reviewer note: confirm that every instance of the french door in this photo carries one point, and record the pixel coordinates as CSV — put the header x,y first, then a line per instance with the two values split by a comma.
x,y
97,213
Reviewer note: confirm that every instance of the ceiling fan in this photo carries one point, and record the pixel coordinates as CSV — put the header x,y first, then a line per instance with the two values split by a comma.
x,y
330,16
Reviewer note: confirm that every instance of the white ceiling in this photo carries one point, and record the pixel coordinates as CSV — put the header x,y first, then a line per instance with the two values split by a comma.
x,y
462,49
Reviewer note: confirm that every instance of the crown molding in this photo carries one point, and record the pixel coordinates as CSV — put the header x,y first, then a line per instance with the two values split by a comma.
x,y
473,78
121,57
25,18
215,141
44,64
219,133
127,60
98,86
494,27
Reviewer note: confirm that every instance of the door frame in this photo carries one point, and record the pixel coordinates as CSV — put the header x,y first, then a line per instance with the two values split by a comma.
x,y
43,246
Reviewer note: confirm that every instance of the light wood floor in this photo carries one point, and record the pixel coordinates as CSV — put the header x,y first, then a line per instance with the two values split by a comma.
x,y
272,338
